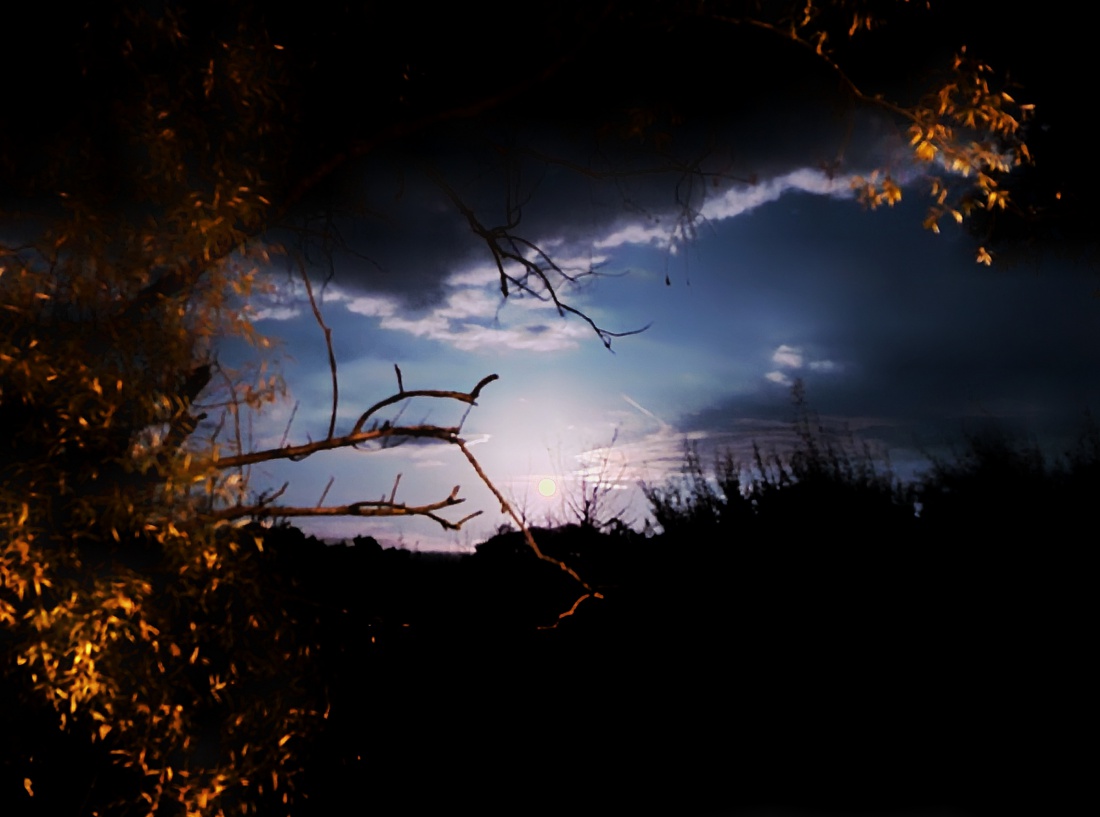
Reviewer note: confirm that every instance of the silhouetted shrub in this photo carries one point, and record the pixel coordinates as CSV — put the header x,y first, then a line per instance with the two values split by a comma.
x,y
997,486
825,484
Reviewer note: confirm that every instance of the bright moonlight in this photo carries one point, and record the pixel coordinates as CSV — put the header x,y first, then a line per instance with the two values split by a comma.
x,y
547,487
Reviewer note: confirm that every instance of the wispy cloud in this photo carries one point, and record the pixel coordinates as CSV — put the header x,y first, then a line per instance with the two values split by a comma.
x,y
739,200
671,230
276,313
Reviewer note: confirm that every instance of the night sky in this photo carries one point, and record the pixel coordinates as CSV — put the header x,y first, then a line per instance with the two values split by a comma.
x,y
726,227
724,224
897,334
686,183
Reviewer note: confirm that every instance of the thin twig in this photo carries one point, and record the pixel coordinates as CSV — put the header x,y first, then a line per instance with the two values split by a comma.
x,y
286,431
505,507
328,345
324,493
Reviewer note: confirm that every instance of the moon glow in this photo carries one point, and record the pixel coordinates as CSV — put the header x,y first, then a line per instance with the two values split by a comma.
x,y
547,487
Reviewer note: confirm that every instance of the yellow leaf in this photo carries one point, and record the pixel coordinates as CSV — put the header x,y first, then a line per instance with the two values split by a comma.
x,y
984,257
27,786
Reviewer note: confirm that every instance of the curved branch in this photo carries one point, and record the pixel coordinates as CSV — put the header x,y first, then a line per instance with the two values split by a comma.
x,y
357,436
463,397
328,345
264,507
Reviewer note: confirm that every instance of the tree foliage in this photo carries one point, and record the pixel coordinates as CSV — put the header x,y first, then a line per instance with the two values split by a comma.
x,y
134,235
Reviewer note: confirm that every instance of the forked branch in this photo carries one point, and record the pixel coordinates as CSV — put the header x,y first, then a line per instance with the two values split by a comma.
x,y
536,273
265,507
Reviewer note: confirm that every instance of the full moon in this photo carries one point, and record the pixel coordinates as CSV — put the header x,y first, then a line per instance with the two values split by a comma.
x,y
547,487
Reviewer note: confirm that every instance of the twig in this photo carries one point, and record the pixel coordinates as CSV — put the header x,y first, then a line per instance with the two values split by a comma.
x,y
286,431
328,346
506,247
324,493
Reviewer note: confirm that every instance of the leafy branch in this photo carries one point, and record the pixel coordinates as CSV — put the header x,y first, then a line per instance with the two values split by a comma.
x,y
965,124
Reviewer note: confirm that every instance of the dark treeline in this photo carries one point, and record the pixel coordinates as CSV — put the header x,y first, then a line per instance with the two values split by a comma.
x,y
804,632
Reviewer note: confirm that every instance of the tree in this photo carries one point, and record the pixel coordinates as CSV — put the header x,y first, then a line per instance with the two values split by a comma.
x,y
141,200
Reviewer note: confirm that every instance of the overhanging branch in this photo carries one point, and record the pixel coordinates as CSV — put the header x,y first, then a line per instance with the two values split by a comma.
x,y
265,508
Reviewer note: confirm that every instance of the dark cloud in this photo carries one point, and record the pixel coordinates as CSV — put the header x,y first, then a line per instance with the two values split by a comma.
x,y
637,131
897,333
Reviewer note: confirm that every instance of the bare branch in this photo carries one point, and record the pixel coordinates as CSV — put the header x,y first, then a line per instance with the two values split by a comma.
x,y
506,508
263,507
267,498
300,452
379,507
465,397
506,247
328,345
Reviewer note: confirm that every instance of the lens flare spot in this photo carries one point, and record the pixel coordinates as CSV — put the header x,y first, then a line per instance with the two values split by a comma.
x,y
547,487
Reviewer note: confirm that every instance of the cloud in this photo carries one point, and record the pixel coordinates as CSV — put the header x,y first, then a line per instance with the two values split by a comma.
x,y
673,229
473,337
793,357
636,234
788,356
373,306
463,306
470,318
467,303
276,313
739,200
